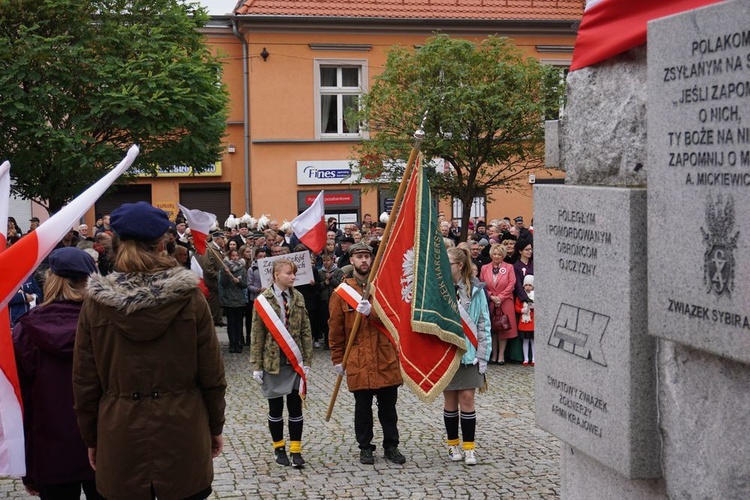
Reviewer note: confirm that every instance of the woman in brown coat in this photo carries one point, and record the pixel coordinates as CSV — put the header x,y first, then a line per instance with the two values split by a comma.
x,y
148,377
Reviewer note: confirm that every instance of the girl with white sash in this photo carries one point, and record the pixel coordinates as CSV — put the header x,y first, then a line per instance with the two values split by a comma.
x,y
280,356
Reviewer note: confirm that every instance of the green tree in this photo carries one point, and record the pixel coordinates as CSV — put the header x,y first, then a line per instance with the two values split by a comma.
x,y
80,81
484,106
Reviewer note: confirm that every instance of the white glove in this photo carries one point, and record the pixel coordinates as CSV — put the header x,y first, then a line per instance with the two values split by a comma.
x,y
339,369
364,307
482,366
525,308
306,369
258,376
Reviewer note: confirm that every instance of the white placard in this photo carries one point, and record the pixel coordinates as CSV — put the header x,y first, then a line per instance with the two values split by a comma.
x,y
304,268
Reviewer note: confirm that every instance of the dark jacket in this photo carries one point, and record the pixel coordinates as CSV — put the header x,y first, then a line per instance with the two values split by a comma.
x,y
326,289
148,380
212,263
18,305
522,270
233,294
43,340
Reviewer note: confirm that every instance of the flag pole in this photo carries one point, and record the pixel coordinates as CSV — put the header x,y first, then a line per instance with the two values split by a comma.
x,y
418,137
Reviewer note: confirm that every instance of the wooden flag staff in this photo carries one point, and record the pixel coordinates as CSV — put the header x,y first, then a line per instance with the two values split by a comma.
x,y
418,137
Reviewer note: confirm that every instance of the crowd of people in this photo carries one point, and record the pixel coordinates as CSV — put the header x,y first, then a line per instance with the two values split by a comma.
x,y
137,364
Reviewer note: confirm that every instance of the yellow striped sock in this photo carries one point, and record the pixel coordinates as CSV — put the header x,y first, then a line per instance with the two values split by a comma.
x,y
279,444
295,446
468,445
453,442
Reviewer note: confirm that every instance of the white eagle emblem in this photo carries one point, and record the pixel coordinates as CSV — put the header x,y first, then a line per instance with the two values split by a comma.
x,y
407,276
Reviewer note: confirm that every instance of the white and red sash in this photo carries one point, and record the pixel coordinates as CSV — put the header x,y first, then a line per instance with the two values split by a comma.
x,y
470,328
352,297
282,337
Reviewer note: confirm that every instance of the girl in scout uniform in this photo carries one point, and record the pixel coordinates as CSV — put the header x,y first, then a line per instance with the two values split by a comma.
x,y
280,356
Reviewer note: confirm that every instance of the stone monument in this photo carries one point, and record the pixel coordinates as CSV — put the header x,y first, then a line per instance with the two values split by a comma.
x,y
699,246
676,341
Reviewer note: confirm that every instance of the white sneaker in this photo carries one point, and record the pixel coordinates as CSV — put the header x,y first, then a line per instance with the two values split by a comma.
x,y
454,452
469,458
317,344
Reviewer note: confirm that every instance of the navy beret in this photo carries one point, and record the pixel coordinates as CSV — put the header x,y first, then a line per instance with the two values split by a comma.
x,y
139,221
71,262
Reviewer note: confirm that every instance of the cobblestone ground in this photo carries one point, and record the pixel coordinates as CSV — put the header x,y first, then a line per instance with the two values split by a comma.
x,y
516,458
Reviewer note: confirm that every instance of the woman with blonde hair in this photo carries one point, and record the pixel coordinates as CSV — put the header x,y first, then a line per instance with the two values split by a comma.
x,y
57,464
500,278
279,309
470,375
148,376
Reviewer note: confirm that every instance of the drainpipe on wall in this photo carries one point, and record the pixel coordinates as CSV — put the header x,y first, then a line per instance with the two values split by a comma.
x,y
245,112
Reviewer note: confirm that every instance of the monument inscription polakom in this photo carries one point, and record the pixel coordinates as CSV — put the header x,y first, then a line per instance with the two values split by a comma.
x,y
699,182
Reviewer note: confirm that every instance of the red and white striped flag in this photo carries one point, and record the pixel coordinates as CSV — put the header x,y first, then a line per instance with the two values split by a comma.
x,y
310,225
200,223
12,451
610,27
20,260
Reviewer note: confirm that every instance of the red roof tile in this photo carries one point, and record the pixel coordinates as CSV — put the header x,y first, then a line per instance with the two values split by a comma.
x,y
521,10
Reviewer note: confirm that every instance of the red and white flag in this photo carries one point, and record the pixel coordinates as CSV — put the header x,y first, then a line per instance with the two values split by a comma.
x,y
610,27
12,451
20,260
200,223
310,225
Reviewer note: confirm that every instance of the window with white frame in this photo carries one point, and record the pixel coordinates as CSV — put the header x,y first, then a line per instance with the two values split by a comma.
x,y
339,86
478,208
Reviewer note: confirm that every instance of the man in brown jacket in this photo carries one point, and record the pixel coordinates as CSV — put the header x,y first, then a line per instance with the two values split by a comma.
x,y
372,368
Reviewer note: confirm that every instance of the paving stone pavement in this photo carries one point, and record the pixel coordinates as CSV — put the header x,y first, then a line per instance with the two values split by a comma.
x,y
516,458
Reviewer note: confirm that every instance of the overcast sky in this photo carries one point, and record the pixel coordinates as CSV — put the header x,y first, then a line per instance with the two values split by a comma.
x,y
218,7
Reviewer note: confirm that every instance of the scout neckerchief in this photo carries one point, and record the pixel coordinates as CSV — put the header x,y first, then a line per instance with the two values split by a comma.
x,y
282,337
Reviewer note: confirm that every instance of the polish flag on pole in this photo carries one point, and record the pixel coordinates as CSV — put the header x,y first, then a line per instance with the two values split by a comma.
x,y
12,448
20,260
310,225
200,223
611,27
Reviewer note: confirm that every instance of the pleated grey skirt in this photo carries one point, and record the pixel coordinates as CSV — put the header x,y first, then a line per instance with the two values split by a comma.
x,y
467,377
284,383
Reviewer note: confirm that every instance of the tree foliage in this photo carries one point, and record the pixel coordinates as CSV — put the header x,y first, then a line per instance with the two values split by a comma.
x,y
82,80
484,106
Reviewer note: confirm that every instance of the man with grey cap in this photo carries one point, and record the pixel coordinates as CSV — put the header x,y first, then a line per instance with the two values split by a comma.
x,y
372,368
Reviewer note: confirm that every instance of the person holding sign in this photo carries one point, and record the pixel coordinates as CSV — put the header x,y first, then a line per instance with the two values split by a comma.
x,y
280,354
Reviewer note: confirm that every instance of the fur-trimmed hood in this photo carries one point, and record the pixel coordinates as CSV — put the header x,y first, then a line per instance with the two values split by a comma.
x,y
142,305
